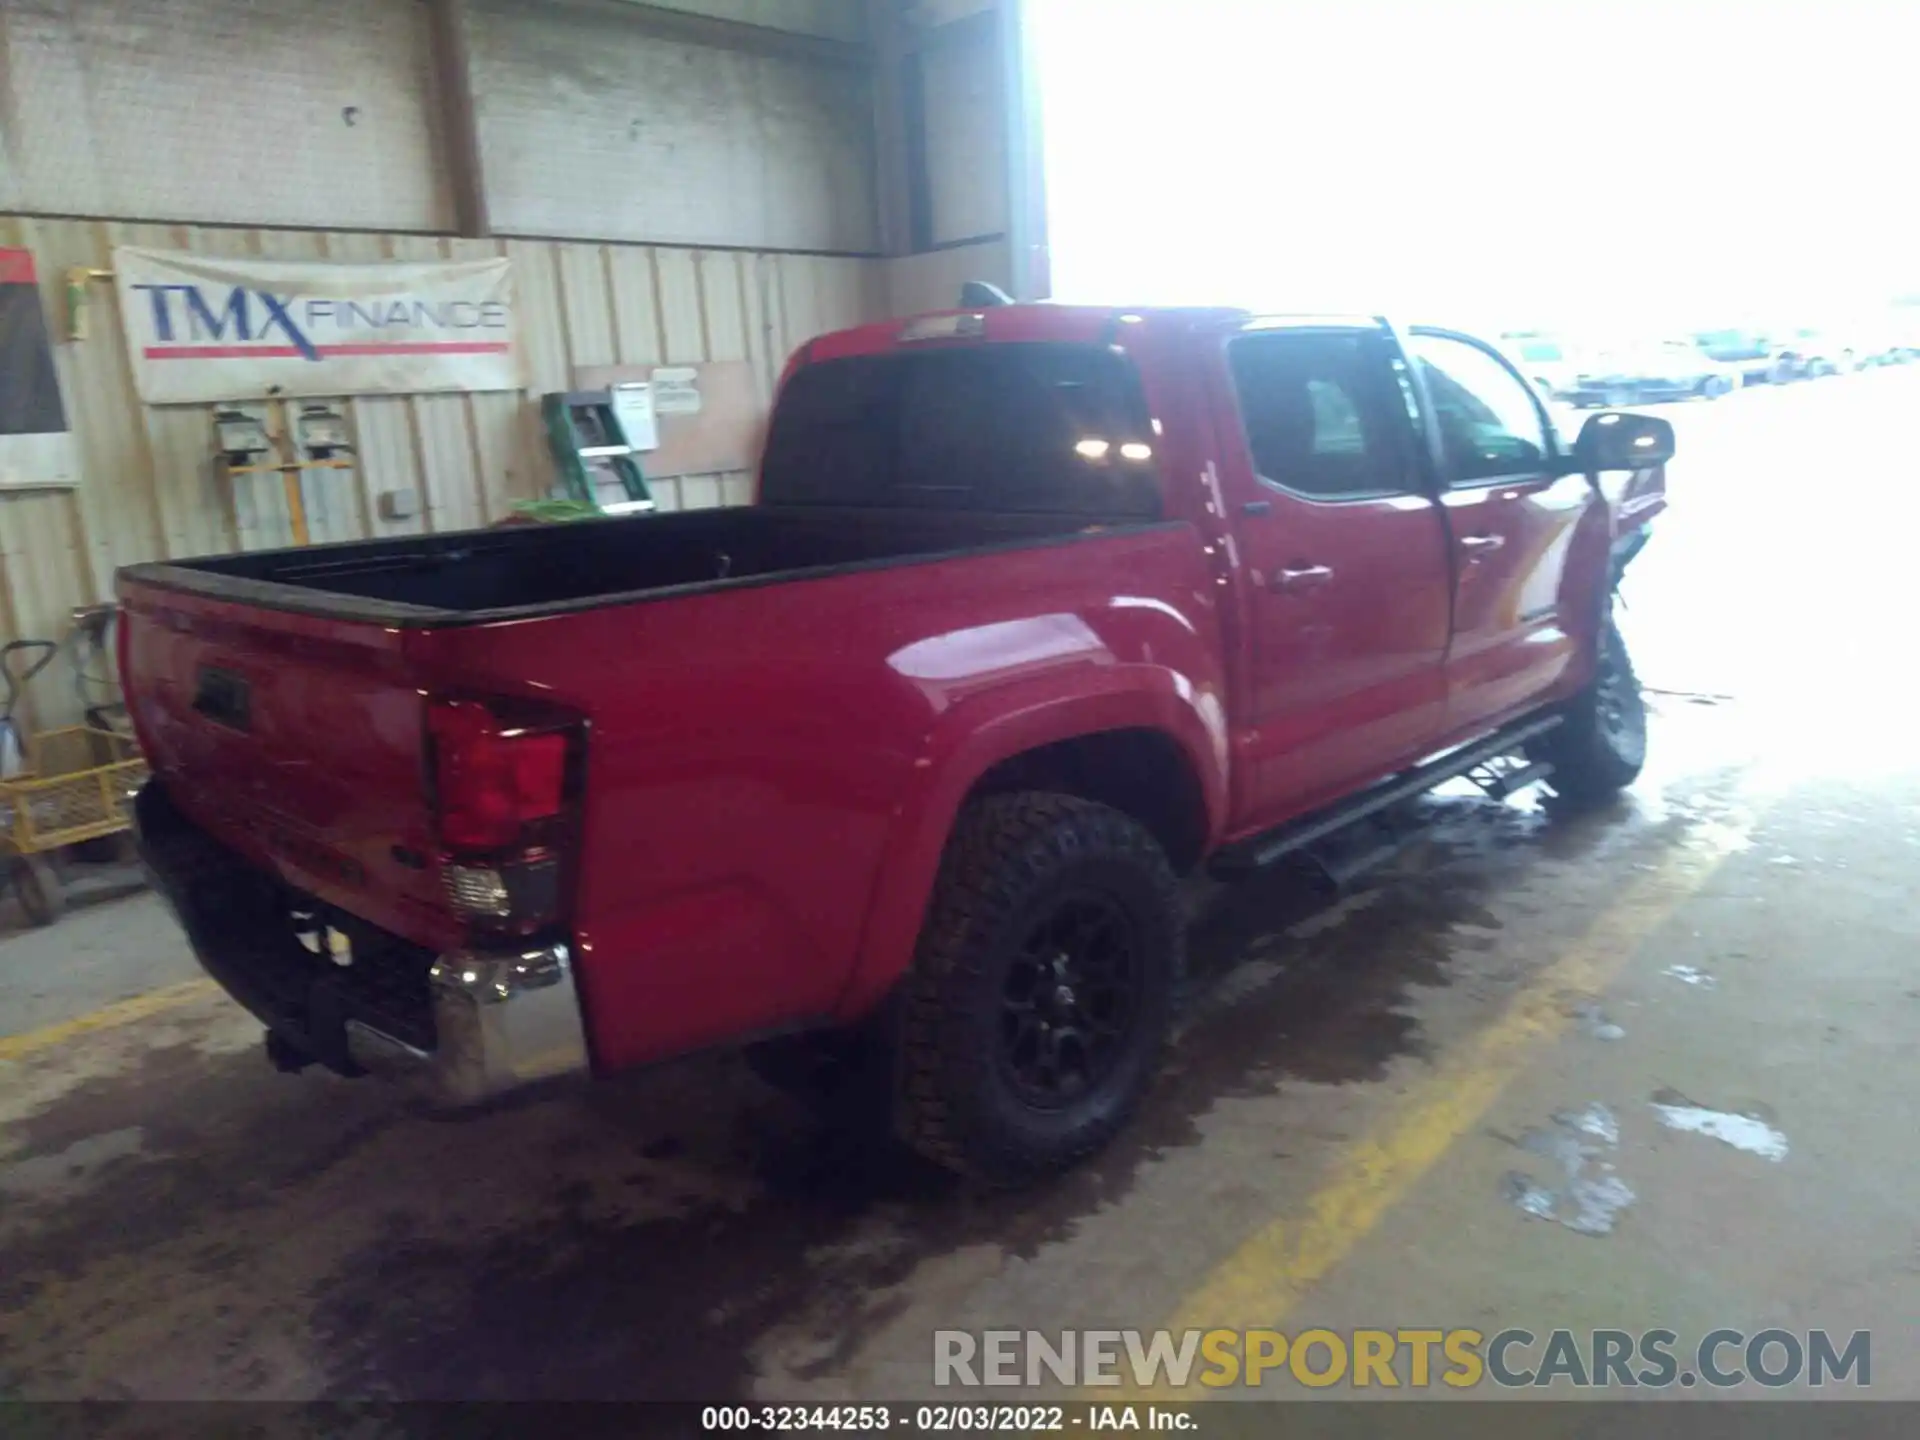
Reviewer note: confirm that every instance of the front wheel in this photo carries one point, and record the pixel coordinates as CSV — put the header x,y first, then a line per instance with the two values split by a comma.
x,y
1043,989
1600,745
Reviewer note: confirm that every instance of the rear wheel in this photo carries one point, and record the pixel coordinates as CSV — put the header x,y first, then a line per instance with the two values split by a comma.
x,y
1600,746
1043,988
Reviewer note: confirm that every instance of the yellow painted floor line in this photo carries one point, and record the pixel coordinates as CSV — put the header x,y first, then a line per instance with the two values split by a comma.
x,y
1261,1281
107,1017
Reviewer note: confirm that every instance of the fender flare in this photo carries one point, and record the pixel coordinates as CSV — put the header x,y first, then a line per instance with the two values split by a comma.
x,y
973,738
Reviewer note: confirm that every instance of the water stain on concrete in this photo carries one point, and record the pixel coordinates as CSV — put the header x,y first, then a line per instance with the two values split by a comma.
x,y
1752,1132
1594,1022
1589,1195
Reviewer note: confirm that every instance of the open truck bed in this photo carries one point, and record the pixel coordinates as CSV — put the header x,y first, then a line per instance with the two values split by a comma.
x,y
520,572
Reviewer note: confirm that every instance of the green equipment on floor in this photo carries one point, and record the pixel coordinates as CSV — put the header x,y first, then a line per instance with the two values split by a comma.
x,y
597,437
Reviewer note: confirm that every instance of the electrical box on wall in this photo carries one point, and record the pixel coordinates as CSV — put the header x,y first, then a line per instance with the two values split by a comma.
x,y
321,432
240,437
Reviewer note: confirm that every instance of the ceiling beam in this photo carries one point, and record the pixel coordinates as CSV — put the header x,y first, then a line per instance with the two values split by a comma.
x,y
893,128
451,53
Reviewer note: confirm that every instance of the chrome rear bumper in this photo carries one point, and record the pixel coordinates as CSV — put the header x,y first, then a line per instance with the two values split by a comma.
x,y
484,1023
502,1023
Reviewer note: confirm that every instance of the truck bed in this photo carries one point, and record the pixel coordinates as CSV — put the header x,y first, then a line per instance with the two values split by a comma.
x,y
522,571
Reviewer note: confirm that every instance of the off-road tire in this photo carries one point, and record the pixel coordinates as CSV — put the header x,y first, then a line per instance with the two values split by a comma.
x,y
1600,745
1012,860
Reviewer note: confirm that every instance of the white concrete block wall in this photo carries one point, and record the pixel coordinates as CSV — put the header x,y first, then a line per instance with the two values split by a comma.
x,y
966,140
592,128
257,112
833,19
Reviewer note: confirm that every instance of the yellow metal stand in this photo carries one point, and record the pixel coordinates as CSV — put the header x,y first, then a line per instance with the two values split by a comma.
x,y
288,468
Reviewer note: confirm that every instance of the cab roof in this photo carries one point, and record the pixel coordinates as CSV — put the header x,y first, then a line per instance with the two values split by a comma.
x,y
1069,324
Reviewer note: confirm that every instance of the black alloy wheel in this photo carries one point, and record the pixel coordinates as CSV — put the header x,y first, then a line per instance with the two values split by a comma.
x,y
1042,989
1600,745
1069,1001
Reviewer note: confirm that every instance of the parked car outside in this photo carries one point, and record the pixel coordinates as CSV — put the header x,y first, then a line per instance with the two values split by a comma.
x,y
1544,359
1649,374
1752,353
1813,355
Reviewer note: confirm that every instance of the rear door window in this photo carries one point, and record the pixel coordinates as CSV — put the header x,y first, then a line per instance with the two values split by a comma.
x,y
1024,428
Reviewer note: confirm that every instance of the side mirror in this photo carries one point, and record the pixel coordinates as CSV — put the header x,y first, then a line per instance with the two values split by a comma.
x,y
1620,440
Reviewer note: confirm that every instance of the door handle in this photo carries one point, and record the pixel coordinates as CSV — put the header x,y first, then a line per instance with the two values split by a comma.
x,y
1304,577
1482,544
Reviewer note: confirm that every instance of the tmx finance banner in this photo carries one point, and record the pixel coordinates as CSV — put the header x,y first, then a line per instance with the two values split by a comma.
x,y
203,328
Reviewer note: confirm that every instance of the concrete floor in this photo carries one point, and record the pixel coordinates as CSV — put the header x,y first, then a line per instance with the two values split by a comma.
x,y
1339,1138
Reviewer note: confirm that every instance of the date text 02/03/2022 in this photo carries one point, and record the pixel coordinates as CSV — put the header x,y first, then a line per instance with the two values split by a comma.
x,y
946,1419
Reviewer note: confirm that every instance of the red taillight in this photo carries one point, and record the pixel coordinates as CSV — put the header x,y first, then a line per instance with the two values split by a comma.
x,y
492,781
505,812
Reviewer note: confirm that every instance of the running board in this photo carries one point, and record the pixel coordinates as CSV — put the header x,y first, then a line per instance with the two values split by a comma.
x,y
1339,867
1505,784
1260,851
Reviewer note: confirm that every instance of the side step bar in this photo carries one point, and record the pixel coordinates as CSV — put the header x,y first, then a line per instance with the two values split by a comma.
x,y
1259,851
1506,783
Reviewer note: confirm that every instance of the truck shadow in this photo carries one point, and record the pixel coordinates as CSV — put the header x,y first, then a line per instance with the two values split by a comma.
x,y
660,1237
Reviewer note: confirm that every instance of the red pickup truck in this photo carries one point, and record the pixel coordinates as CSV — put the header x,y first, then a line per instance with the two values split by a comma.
x,y
1038,609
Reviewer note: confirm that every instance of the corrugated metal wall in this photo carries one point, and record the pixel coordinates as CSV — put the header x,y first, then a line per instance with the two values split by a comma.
x,y
150,490
966,139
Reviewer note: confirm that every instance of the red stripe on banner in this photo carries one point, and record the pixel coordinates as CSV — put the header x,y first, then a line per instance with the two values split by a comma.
x,y
16,267
289,352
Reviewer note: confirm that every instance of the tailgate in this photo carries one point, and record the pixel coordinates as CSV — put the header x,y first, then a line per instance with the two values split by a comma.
x,y
296,740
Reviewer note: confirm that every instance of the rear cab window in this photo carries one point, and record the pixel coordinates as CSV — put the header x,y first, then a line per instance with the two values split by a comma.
x,y
1321,415
1007,427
